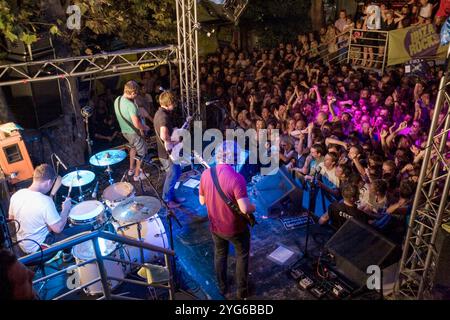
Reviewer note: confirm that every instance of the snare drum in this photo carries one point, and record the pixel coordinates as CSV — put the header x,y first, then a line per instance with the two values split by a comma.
x,y
88,272
118,192
88,212
152,232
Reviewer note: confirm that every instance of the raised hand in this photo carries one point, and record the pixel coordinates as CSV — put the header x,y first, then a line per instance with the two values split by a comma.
x,y
391,128
402,125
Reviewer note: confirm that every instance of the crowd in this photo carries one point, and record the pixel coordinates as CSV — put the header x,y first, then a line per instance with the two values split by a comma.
x,y
363,131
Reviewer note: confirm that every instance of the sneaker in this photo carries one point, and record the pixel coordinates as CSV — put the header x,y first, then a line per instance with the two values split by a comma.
x,y
173,204
140,177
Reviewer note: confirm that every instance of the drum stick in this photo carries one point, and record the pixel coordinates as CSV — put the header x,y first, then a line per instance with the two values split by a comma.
x,y
70,190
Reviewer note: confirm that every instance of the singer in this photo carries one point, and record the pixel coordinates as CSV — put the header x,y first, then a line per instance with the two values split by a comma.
x,y
40,223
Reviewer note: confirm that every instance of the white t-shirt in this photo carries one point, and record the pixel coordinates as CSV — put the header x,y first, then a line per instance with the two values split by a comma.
x,y
329,174
425,11
34,211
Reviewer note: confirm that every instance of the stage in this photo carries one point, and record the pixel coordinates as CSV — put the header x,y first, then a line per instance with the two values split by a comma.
x,y
194,248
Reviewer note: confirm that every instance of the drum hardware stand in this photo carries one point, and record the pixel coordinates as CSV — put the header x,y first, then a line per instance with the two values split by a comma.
x,y
170,215
81,196
139,228
109,173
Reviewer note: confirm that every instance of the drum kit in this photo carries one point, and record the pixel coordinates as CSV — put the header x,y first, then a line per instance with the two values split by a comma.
x,y
120,209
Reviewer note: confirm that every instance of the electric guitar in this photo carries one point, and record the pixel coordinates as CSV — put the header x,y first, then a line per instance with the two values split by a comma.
x,y
249,217
174,148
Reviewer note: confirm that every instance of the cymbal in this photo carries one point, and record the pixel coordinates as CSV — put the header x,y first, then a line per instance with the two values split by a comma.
x,y
136,209
78,178
107,158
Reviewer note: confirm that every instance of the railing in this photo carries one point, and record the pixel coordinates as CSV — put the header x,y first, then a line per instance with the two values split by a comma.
x,y
104,278
356,50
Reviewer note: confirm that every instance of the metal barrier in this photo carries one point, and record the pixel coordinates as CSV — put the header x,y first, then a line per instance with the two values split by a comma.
x,y
356,46
99,259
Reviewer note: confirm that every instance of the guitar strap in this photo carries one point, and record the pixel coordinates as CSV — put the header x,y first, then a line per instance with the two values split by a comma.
x,y
219,189
127,122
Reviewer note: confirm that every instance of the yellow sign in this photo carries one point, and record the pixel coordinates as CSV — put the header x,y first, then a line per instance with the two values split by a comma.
x,y
416,42
151,65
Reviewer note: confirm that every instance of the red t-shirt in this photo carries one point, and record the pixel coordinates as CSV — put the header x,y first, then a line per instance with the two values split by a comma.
x,y
222,220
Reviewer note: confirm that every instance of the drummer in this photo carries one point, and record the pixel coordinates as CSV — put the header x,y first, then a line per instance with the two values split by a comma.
x,y
40,223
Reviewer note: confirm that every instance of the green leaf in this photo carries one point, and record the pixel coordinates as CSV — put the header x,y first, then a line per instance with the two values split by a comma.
x,y
28,38
54,29
10,36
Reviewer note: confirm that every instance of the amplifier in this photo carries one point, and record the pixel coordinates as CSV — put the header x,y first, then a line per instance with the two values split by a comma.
x,y
15,161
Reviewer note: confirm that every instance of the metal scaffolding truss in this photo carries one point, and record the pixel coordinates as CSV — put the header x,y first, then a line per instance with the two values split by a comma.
x,y
431,206
187,30
104,64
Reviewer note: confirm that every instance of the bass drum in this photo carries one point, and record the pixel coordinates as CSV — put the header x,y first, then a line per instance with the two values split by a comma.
x,y
88,272
152,232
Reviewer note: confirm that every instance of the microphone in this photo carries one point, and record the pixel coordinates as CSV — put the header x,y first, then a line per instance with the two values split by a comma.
x,y
208,103
94,193
60,161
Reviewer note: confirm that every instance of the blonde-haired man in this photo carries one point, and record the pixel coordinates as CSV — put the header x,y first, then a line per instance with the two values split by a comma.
x,y
163,125
128,117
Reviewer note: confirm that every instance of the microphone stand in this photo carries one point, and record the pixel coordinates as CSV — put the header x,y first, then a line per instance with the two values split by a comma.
x,y
170,215
311,209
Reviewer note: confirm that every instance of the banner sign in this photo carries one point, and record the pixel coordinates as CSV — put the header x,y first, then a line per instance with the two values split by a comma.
x,y
416,42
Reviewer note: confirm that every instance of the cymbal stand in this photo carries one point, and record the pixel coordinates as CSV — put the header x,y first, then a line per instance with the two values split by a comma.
x,y
170,215
109,173
80,189
139,231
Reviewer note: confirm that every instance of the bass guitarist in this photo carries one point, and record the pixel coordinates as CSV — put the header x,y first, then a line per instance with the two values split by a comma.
x,y
225,225
163,125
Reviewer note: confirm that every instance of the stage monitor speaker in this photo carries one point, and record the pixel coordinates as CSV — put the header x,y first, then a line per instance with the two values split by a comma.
x,y
34,104
272,189
441,279
356,246
15,161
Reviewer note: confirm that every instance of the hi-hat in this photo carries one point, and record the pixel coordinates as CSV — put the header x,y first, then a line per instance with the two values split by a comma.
x,y
107,158
136,209
78,178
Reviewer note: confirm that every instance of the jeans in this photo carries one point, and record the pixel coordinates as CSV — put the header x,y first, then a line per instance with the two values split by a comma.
x,y
241,243
173,172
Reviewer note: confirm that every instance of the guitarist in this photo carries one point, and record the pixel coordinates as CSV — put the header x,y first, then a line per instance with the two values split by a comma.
x,y
128,117
163,125
225,225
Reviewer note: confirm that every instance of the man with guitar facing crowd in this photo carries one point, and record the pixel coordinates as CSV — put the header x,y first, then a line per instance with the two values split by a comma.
x,y
221,188
162,122
131,126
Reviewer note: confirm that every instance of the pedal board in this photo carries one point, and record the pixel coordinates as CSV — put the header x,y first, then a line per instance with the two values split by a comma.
x,y
319,292
306,283
295,222
297,274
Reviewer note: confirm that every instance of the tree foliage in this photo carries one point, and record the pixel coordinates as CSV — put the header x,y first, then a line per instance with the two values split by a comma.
x,y
277,20
137,23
